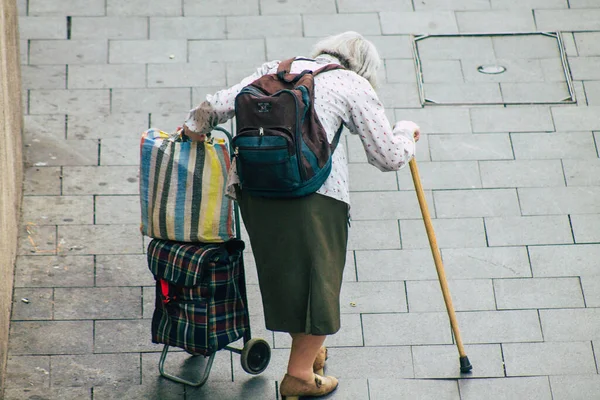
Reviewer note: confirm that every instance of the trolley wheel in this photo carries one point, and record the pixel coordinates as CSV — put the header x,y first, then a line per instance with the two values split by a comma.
x,y
255,356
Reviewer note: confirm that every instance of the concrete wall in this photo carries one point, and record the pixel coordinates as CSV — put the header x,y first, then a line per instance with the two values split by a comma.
x,y
11,169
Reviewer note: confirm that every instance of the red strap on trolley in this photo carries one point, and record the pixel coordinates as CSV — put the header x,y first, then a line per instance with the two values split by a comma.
x,y
164,288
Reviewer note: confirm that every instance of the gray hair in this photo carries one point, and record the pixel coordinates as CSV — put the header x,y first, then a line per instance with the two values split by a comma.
x,y
354,52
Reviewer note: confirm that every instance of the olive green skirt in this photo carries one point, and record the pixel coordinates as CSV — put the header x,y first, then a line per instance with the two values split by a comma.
x,y
299,246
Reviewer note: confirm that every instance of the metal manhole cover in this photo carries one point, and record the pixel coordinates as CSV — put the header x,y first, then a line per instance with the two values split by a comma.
x,y
493,68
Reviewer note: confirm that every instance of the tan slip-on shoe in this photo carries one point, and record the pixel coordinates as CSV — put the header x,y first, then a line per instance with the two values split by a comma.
x,y
292,388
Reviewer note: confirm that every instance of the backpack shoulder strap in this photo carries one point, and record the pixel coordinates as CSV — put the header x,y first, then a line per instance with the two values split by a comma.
x,y
328,67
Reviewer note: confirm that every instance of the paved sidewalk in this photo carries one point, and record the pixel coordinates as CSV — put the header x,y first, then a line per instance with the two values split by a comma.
x,y
514,191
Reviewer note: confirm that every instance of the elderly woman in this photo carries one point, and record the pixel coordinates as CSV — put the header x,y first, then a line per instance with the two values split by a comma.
x,y
300,244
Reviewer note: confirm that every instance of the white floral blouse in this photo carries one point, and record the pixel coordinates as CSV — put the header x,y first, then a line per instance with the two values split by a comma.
x,y
340,96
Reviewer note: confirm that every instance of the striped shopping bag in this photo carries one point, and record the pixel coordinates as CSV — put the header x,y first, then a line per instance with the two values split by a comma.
x,y
182,188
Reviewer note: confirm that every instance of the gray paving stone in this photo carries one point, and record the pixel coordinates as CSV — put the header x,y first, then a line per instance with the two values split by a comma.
x,y
58,210
463,93
455,48
585,228
566,200
554,261
48,337
567,20
259,388
187,28
165,100
534,92
450,233
591,290
100,239
274,7
397,46
515,119
119,152
419,22
35,239
43,127
372,235
53,393
583,4
444,175
534,388
350,6
505,174
24,52
576,118
54,271
282,48
394,265
115,126
597,140
64,8
159,390
529,4
399,95
592,91
226,7
123,270
38,306
107,76
181,363
401,329
400,71
356,154
476,203
500,326
95,370
569,325
495,21
69,101
53,151
452,5
110,180
489,262
587,43
67,52
386,205
373,297
251,50
532,359
365,177
147,51
118,27
320,25
470,147
441,362
584,68
183,75
539,146
440,71
144,8
256,27
538,293
438,120
582,172
467,295
573,387
27,372
124,336
528,230
42,181
43,77
349,335
117,209
381,389
148,298
42,28
528,47
97,303
370,362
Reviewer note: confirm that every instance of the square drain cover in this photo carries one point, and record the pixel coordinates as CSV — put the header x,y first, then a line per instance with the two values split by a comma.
x,y
493,68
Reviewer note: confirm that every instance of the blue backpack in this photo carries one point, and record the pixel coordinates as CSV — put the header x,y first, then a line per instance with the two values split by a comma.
x,y
280,146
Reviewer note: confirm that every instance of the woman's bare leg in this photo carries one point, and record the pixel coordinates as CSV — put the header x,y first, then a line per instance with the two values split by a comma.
x,y
302,356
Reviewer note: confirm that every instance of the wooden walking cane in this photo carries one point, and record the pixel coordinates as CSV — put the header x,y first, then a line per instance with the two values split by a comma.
x,y
465,365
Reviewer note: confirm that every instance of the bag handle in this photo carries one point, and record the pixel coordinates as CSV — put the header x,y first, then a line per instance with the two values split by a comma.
x,y
285,67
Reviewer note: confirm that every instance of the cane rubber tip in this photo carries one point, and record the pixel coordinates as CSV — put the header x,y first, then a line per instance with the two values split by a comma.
x,y
465,365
